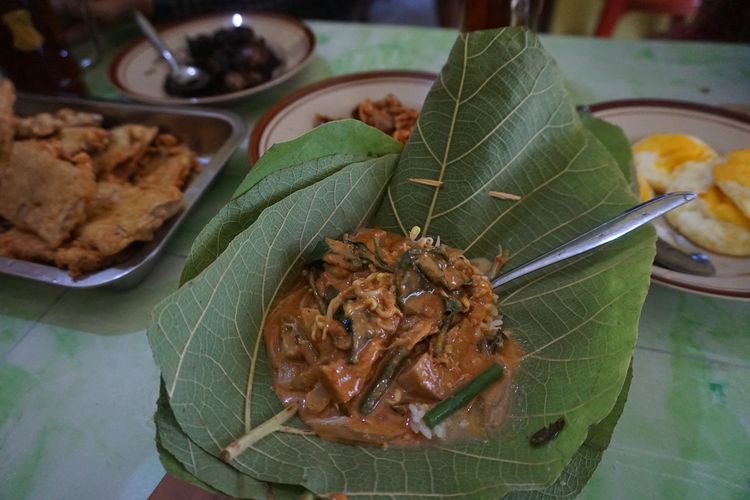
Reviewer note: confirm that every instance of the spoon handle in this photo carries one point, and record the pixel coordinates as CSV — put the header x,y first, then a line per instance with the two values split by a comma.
x,y
611,230
148,30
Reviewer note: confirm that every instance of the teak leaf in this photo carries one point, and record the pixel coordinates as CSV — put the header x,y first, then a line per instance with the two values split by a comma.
x,y
224,306
186,460
497,119
580,469
612,137
313,157
351,140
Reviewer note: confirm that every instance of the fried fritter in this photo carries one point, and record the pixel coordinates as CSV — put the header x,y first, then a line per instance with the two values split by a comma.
x,y
127,144
44,194
79,260
72,118
18,244
89,140
121,214
75,195
166,166
7,99
47,124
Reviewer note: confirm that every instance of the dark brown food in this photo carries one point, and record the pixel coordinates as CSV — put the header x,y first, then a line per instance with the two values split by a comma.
x,y
234,58
547,434
380,330
387,115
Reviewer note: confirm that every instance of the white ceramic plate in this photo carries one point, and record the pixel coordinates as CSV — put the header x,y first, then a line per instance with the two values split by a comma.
x,y
335,97
722,130
139,72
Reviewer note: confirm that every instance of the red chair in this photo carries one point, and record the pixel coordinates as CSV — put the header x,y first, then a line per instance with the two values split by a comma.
x,y
678,10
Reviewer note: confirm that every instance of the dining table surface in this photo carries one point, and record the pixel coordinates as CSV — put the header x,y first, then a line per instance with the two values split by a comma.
x,y
78,382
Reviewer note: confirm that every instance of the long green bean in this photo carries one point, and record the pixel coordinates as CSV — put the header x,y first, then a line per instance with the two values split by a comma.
x,y
463,395
389,373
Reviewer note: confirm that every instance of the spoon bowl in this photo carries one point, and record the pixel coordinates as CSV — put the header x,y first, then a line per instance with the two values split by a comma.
x,y
187,81
678,259
183,80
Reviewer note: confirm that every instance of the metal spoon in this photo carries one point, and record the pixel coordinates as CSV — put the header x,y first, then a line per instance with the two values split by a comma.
x,y
609,231
183,80
679,259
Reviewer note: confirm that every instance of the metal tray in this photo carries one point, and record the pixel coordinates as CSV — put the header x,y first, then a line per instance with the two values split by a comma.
x,y
212,134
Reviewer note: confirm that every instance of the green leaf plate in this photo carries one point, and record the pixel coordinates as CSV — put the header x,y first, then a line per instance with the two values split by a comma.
x,y
497,119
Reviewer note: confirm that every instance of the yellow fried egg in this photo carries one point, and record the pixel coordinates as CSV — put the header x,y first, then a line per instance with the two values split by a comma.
x,y
644,189
712,221
659,156
733,178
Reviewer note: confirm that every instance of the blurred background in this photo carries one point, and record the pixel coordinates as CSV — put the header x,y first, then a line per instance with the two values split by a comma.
x,y
706,20
713,20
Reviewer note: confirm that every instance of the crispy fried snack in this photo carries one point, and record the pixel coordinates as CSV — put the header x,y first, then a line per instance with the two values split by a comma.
x,y
121,214
387,115
89,140
42,193
127,144
166,166
7,98
59,206
18,244
47,124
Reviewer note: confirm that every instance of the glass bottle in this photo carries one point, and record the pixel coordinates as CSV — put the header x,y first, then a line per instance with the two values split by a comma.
x,y
486,14
33,53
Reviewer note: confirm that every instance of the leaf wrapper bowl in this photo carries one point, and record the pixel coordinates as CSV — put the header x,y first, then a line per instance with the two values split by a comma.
x,y
497,119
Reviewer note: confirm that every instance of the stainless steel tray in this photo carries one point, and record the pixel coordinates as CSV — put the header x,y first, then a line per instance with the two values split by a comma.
x,y
213,134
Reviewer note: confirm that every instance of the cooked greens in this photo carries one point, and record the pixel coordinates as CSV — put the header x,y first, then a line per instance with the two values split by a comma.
x,y
463,395
497,119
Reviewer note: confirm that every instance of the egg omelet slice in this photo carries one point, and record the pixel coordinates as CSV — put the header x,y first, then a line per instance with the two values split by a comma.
x,y
658,156
645,192
733,178
712,221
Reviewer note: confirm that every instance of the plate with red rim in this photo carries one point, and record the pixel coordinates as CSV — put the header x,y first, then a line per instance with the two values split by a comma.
x,y
336,98
723,130
138,71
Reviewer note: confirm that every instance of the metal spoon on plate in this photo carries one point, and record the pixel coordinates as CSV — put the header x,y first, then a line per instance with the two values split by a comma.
x,y
678,259
183,80
611,230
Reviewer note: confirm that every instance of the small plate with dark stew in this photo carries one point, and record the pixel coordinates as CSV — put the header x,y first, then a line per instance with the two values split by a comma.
x,y
243,52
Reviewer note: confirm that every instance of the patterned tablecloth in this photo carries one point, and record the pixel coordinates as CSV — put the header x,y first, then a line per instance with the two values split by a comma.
x,y
78,382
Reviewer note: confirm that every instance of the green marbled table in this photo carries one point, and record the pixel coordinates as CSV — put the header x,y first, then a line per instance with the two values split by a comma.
x,y
78,384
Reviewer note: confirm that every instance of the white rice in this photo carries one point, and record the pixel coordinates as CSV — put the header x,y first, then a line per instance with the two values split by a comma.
x,y
419,427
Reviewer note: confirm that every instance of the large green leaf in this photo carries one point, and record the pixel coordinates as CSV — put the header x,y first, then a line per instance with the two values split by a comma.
x,y
175,468
313,157
585,461
497,119
341,138
187,461
580,469
205,336
230,481
614,139
577,321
